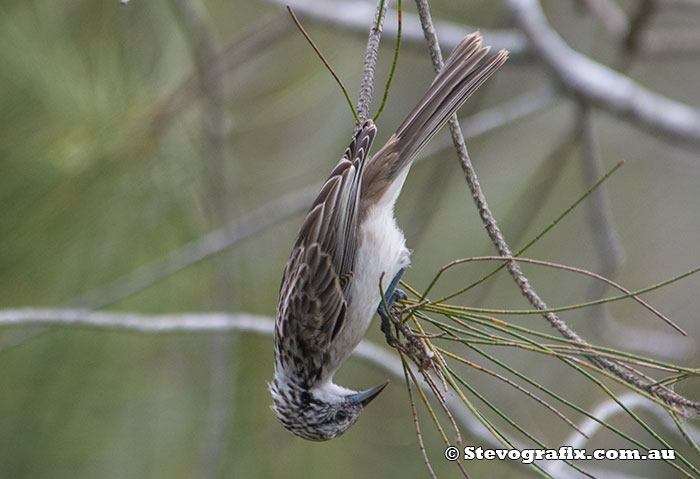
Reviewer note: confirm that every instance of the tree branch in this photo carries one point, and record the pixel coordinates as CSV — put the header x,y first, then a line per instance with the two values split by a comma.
x,y
376,355
602,86
367,351
504,250
367,86
219,195
353,16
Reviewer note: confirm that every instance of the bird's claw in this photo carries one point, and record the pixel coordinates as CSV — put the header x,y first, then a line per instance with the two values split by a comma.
x,y
385,314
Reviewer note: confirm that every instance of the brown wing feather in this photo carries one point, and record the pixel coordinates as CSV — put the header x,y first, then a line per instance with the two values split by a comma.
x,y
312,306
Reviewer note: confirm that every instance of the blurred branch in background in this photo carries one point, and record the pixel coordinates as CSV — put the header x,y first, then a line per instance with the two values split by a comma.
x,y
495,233
601,86
639,22
278,210
198,250
484,121
607,240
507,113
244,47
219,195
549,119
377,356
355,16
612,259
613,18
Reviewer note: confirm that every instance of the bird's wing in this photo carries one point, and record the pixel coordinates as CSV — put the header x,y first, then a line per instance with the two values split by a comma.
x,y
312,302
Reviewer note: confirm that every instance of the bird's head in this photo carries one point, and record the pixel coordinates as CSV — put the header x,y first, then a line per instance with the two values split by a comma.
x,y
320,413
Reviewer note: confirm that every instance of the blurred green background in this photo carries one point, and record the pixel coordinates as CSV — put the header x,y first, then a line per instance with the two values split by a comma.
x,y
107,162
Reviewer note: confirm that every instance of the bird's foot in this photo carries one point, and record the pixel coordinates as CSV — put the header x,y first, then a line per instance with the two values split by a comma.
x,y
387,317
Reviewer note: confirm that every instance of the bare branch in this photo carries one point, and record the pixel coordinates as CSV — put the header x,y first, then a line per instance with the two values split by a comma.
x,y
210,323
602,86
376,355
142,323
367,87
354,16
477,194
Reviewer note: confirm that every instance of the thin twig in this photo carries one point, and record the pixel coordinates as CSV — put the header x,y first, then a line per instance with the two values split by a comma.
x,y
426,460
367,86
325,62
399,22
516,386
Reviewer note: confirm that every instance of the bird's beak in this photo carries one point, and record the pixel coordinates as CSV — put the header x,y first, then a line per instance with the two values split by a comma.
x,y
365,397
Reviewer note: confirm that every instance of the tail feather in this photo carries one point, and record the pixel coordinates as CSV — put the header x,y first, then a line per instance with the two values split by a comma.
x,y
462,74
459,78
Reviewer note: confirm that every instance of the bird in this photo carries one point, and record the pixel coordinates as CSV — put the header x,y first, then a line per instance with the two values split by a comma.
x,y
349,241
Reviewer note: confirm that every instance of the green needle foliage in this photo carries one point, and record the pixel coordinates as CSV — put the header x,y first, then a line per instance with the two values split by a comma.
x,y
440,337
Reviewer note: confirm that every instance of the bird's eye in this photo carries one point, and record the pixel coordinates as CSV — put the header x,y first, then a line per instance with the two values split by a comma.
x,y
341,416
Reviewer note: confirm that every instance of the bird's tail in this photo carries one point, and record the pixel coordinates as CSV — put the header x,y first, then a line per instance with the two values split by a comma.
x,y
461,75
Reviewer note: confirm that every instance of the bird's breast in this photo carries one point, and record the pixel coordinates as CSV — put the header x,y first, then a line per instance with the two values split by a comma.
x,y
381,253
